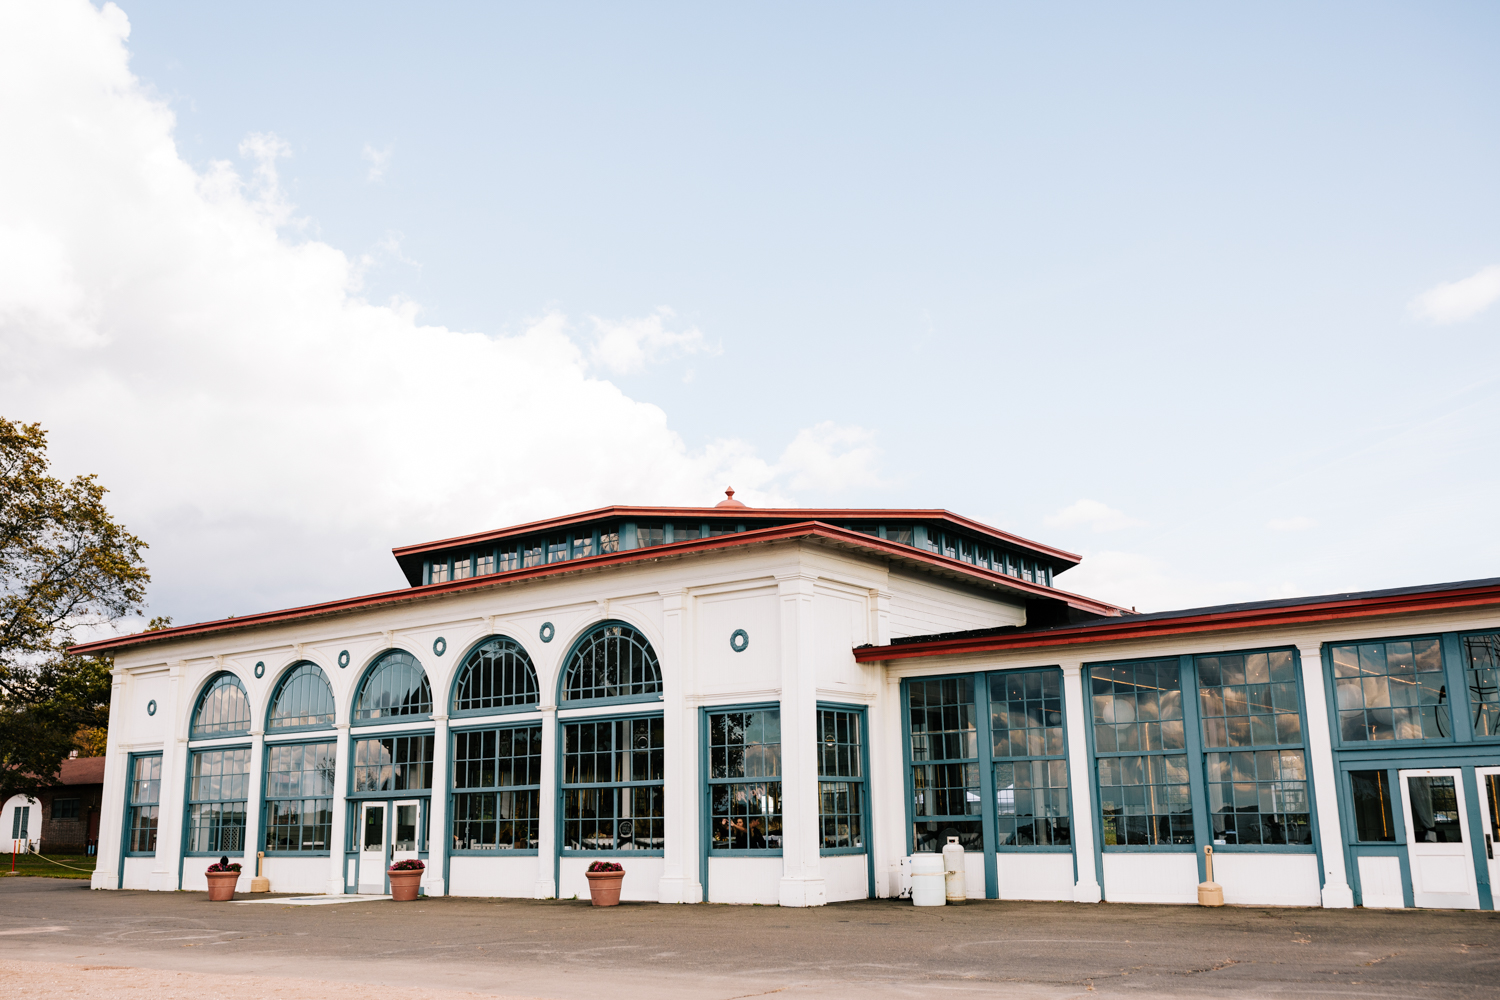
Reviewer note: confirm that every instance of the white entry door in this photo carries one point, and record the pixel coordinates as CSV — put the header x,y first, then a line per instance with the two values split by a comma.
x,y
372,848
1437,839
404,843
1489,807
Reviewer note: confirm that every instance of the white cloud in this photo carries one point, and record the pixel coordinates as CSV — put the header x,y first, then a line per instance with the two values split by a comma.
x,y
625,347
377,158
1091,514
1146,583
1290,523
270,432
1456,301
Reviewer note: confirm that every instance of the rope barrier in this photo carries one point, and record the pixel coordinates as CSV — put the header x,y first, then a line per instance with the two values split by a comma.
x,y
58,863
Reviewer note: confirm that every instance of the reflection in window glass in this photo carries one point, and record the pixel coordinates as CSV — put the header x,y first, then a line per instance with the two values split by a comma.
x,y
507,559
583,545
1434,810
532,553
1249,699
1259,797
944,755
612,661
1482,653
497,776
223,709
1137,706
299,796
609,541
497,674
612,785
303,699
393,764
1145,798
144,799
841,786
744,814
648,536
557,549
1031,795
484,565
440,572
1372,806
1391,691
396,686
217,792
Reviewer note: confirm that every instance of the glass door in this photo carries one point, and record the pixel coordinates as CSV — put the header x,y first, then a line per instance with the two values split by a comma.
x,y
1489,792
404,840
372,844
1437,839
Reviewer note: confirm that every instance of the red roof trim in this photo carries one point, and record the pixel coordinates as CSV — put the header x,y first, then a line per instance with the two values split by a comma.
x,y
742,514
1124,629
785,532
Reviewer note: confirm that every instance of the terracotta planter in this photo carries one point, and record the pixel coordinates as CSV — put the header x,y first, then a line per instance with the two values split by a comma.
x,y
221,886
404,885
604,887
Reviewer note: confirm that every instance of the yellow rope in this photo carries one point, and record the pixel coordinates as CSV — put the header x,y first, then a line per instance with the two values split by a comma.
x,y
58,863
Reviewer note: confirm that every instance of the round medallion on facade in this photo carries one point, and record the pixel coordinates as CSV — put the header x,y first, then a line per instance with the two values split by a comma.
x,y
547,632
739,641
151,707
260,669
439,646
343,658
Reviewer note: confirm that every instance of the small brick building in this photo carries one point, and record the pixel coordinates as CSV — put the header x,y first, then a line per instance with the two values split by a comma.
x,y
70,809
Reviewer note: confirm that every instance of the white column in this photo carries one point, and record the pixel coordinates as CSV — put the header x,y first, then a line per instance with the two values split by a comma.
x,y
254,803
439,836
680,882
546,827
801,879
888,785
174,778
1080,785
116,788
337,836
1336,891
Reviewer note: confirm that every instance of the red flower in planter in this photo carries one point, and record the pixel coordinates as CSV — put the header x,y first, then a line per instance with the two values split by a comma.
x,y
409,865
606,866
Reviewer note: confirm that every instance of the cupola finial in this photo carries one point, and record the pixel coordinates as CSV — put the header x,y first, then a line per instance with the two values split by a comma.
x,y
729,500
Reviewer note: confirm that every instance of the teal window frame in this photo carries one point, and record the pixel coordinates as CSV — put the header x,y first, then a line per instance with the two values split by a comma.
x,y
712,782
563,786
652,689
1446,672
299,682
1191,752
135,787
860,756
227,702
397,758
519,669
1483,712
216,789
983,793
389,660
531,788
269,797
1050,757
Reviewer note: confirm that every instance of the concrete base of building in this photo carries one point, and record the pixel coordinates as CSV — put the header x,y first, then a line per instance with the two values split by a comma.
x,y
803,892
1337,896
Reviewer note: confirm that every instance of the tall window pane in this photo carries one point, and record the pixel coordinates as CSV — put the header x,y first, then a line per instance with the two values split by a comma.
x,y
1482,653
1372,806
841,779
217,791
1251,700
944,755
744,772
1031,783
393,764
299,796
1391,691
1144,791
497,777
612,785
144,803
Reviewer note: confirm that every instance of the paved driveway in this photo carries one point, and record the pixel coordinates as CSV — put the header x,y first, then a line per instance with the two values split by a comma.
x,y
566,950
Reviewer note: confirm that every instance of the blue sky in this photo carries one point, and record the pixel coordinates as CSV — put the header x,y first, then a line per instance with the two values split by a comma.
x,y
1141,282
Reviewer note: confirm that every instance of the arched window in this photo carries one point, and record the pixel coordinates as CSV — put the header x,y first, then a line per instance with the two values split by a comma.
x,y
223,708
612,660
497,674
303,699
394,686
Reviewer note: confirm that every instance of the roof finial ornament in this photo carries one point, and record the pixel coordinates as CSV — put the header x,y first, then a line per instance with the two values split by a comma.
x,y
729,500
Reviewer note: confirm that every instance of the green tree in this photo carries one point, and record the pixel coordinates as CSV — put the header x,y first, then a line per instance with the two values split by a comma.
x,y
66,566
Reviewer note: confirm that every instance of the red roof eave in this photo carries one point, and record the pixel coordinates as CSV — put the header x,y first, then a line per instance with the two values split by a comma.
x,y
1118,630
785,532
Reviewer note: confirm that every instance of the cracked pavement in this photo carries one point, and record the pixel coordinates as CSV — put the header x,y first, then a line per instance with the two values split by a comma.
x,y
567,950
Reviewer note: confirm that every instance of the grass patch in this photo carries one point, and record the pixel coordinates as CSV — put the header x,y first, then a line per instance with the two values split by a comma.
x,y
50,865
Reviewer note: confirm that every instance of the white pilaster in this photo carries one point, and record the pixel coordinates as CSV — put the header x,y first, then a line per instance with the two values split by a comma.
x,y
801,880
1336,891
174,778
1080,785
254,803
338,836
546,827
112,804
439,836
680,882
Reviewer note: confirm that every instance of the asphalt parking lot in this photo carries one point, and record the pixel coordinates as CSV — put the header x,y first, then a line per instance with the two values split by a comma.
x,y
566,949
